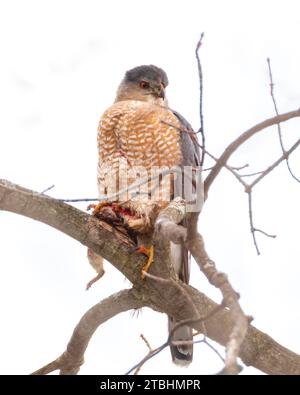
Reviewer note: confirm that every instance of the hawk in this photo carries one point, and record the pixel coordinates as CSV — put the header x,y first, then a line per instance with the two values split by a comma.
x,y
137,134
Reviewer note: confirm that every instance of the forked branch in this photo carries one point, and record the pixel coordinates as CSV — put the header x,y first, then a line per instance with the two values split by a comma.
x,y
232,147
257,349
70,361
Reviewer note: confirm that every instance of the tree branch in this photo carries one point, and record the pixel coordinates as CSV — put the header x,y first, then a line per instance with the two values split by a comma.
x,y
71,360
257,349
101,237
242,139
249,186
169,341
200,76
283,157
279,126
230,299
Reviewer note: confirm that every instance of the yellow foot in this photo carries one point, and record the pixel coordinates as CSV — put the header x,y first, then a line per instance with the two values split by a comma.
x,y
149,252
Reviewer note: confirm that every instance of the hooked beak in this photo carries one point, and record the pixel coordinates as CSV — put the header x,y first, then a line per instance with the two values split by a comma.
x,y
158,91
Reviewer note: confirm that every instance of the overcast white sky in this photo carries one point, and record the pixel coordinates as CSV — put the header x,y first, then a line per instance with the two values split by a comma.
x,y
61,62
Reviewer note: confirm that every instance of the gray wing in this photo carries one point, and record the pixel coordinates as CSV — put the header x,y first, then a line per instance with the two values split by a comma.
x,y
190,157
189,143
183,355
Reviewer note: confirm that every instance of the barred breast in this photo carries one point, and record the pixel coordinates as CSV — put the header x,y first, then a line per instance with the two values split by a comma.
x,y
135,134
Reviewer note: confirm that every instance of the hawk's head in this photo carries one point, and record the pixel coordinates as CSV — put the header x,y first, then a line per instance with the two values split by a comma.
x,y
146,83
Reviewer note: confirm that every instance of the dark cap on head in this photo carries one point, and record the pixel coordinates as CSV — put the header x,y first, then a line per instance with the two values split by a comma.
x,y
151,73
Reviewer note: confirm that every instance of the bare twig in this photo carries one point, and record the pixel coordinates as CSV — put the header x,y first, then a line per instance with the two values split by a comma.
x,y
240,167
129,188
146,342
265,233
291,172
184,129
47,189
277,113
81,200
149,353
194,321
283,157
232,147
205,341
147,357
207,169
200,75
252,228
169,342
249,187
274,102
258,349
229,168
252,174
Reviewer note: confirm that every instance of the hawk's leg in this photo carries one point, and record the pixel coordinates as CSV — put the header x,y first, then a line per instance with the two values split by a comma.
x,y
149,252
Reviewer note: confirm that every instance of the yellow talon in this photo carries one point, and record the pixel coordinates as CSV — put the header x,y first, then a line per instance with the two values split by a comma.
x,y
150,254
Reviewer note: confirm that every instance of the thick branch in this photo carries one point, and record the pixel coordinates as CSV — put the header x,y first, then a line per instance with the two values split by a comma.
x,y
242,139
258,349
167,229
91,232
71,360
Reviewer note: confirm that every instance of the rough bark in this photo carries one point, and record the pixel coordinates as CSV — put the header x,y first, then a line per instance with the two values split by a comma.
x,y
258,349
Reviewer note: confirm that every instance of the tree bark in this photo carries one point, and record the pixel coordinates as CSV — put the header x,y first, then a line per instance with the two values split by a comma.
x,y
258,349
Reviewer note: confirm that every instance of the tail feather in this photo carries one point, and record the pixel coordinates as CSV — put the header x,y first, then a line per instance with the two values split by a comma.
x,y
181,354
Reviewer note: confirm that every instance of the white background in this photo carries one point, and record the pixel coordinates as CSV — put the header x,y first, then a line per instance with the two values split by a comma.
x,y
61,62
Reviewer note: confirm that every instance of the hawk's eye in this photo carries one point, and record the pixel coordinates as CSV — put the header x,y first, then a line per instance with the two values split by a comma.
x,y
144,84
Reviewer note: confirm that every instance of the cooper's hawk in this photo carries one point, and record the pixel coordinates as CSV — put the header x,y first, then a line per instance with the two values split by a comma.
x,y
137,135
